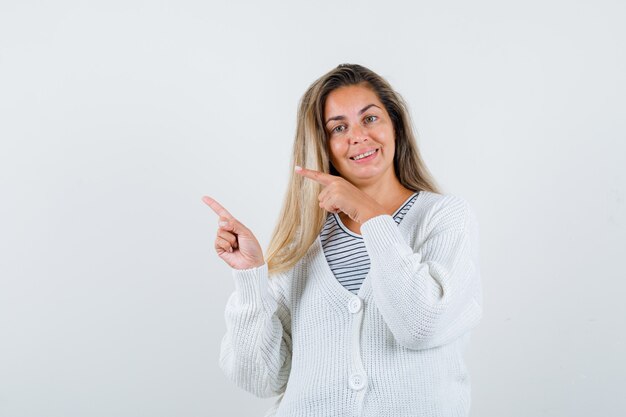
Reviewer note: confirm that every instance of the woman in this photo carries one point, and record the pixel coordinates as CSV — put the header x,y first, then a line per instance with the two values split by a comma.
x,y
365,301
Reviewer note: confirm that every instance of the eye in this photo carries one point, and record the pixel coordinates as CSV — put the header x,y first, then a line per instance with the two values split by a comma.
x,y
371,118
337,127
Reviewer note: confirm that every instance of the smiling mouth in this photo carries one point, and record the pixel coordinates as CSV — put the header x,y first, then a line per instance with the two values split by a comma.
x,y
367,158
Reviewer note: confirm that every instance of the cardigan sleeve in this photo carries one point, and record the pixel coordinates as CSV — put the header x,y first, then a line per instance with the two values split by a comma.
x,y
431,294
256,350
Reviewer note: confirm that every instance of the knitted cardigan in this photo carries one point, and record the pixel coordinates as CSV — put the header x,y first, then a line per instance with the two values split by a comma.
x,y
394,349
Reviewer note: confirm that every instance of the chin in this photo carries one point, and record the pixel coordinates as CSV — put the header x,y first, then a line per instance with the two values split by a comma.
x,y
360,178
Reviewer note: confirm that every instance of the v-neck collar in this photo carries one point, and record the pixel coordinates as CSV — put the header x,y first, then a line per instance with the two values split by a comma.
x,y
395,213
319,258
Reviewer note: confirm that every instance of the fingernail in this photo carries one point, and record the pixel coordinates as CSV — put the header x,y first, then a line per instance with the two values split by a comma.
x,y
230,250
222,223
298,168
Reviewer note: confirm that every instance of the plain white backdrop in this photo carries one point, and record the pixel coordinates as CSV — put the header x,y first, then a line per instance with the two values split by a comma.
x,y
116,118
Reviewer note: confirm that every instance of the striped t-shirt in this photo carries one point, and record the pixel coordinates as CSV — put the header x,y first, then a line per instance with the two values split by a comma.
x,y
345,250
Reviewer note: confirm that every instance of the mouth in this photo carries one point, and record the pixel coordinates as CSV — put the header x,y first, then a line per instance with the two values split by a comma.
x,y
368,157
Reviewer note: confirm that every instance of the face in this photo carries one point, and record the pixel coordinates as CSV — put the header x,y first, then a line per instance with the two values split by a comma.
x,y
356,124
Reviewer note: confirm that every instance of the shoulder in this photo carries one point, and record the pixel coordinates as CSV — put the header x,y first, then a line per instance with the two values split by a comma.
x,y
445,212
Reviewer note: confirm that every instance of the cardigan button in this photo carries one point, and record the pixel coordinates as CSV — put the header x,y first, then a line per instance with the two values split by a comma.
x,y
354,305
357,381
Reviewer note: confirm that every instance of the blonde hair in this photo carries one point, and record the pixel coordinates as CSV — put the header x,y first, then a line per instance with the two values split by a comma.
x,y
301,219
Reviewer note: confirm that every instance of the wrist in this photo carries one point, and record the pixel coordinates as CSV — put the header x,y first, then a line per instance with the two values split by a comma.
x,y
249,267
371,213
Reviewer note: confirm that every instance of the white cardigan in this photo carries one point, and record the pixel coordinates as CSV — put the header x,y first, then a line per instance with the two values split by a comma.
x,y
395,349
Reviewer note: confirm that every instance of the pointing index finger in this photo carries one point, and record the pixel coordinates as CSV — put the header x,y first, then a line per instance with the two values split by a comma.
x,y
217,207
318,176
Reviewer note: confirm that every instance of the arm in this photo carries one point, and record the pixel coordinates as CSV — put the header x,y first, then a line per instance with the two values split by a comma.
x,y
256,350
429,295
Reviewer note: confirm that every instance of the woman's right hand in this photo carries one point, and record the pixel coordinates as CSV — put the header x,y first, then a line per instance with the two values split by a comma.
x,y
235,243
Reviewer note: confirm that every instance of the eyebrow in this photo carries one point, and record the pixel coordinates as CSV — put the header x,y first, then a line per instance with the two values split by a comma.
x,y
360,112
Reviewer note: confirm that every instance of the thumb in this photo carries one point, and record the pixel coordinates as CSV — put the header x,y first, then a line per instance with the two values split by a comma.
x,y
235,226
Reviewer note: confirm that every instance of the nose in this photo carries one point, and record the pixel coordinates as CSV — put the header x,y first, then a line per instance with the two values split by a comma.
x,y
358,134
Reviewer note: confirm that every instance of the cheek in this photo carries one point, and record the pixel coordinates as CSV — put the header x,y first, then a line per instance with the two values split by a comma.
x,y
388,139
336,151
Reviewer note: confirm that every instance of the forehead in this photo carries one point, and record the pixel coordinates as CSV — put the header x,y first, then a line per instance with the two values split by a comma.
x,y
349,100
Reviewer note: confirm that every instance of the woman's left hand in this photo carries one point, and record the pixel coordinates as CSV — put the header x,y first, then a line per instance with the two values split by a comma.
x,y
340,195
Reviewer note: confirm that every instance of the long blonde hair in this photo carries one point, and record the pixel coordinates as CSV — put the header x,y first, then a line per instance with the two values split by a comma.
x,y
301,219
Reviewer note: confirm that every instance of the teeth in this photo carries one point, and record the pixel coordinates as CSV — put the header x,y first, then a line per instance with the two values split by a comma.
x,y
363,155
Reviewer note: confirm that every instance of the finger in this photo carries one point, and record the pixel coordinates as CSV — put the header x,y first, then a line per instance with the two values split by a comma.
x,y
224,222
323,194
227,236
232,225
222,244
322,200
327,202
321,177
323,204
217,207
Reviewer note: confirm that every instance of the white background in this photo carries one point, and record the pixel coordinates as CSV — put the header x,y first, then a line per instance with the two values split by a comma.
x,y
116,118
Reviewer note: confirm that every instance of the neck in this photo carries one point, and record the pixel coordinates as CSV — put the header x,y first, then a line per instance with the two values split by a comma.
x,y
389,193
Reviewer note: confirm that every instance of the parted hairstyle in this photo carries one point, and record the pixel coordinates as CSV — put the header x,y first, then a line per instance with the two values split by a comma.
x,y
301,218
